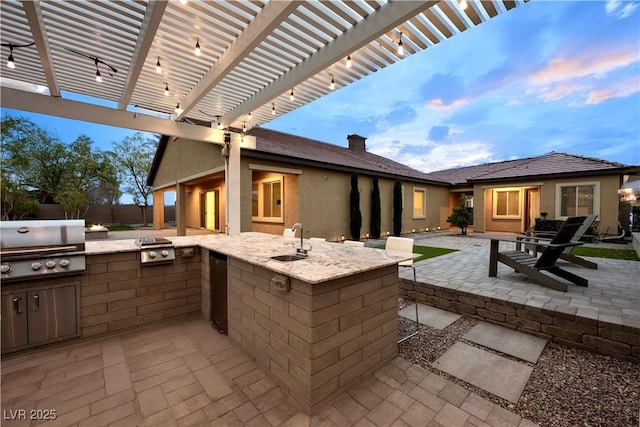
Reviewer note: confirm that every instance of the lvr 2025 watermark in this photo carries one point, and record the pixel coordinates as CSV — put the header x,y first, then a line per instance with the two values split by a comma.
x,y
31,414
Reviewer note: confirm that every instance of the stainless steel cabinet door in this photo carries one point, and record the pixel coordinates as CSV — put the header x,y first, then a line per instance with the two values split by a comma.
x,y
14,320
218,281
52,314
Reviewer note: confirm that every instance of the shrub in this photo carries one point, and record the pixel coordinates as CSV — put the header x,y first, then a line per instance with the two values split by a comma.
x,y
375,210
355,216
397,208
461,216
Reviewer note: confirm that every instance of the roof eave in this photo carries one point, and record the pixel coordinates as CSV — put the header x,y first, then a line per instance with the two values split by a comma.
x,y
255,154
613,171
157,158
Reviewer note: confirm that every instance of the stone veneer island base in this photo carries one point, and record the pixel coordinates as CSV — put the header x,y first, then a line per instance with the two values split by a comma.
x,y
315,339
316,325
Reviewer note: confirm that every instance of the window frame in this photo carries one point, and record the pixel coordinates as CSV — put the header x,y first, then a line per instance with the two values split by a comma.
x,y
575,185
424,203
261,195
507,190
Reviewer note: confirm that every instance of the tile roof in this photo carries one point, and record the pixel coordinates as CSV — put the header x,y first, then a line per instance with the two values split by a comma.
x,y
550,164
297,148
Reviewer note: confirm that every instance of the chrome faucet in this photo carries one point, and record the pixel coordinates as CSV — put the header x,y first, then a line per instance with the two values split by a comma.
x,y
300,251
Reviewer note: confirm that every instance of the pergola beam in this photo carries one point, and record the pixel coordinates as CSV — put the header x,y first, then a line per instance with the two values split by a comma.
x,y
59,107
378,23
33,12
152,19
264,23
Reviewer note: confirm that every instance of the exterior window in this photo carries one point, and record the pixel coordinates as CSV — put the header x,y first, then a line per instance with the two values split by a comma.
x,y
577,199
506,204
468,202
267,201
419,203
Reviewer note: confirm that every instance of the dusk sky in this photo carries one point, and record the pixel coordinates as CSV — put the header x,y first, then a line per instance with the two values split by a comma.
x,y
546,76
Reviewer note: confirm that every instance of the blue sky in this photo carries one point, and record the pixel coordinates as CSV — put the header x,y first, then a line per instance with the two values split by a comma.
x,y
546,76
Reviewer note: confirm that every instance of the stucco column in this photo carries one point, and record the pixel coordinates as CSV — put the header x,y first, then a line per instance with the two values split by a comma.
x,y
181,210
158,209
232,187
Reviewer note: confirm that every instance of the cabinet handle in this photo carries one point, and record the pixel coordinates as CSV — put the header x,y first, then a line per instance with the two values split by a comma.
x,y
36,301
16,305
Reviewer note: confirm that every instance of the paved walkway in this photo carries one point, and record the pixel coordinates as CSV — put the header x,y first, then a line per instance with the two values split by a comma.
x,y
613,294
184,373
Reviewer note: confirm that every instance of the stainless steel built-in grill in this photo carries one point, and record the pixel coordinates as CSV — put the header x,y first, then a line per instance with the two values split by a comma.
x,y
41,248
155,250
37,308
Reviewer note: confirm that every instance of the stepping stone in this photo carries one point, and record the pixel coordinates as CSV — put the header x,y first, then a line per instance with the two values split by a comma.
x,y
495,374
507,341
430,316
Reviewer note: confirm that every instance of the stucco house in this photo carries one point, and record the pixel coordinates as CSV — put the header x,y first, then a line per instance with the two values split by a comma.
x,y
288,179
508,196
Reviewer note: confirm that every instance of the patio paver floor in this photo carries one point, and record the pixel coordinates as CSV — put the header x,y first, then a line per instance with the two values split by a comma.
x,y
185,373
613,294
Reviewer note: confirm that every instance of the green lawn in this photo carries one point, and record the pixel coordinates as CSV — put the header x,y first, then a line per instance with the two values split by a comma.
x,y
120,227
427,252
625,254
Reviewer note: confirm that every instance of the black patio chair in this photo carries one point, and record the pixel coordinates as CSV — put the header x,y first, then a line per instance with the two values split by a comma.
x,y
532,266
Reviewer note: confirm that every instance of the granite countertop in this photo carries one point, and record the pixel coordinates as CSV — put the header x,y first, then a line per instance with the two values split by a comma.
x,y
326,261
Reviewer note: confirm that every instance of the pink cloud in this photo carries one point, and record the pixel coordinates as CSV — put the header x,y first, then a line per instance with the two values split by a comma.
x,y
439,104
558,92
618,90
596,63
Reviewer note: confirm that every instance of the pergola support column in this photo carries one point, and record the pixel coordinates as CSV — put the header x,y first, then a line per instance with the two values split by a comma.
x,y
181,210
158,209
232,187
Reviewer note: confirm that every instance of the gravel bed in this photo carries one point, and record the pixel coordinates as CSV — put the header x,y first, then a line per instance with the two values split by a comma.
x,y
568,387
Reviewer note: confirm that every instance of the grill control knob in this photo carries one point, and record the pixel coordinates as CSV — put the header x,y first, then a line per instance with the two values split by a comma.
x,y
50,263
5,268
64,262
36,265
152,254
165,253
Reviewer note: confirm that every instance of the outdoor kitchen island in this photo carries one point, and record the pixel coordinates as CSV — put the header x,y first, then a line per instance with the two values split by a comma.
x,y
316,325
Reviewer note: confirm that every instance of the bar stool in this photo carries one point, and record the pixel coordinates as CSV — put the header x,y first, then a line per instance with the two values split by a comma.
x,y
405,245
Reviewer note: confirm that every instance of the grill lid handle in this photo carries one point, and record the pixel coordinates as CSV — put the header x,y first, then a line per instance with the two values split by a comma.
x,y
16,305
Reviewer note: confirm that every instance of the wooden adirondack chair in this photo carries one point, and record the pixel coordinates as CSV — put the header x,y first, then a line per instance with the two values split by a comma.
x,y
550,252
566,254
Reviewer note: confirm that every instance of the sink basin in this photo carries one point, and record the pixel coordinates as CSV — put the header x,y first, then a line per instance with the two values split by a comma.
x,y
287,258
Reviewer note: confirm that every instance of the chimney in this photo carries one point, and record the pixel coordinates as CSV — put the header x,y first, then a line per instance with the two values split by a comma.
x,y
357,143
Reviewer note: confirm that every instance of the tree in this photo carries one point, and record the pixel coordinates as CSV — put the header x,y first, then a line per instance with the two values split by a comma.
x,y
461,216
32,159
48,171
16,202
134,157
355,215
397,208
86,172
375,210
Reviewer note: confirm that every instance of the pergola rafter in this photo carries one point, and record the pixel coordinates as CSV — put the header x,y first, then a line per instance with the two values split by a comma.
x,y
253,51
